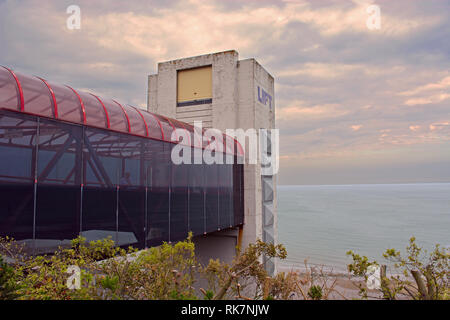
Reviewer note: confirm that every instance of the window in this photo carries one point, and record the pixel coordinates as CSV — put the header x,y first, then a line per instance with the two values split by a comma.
x,y
194,86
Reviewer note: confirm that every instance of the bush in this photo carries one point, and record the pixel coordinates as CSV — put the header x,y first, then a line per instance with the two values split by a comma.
x,y
171,271
8,286
420,275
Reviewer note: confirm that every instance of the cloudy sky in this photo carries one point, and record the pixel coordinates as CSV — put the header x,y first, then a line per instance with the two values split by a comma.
x,y
353,105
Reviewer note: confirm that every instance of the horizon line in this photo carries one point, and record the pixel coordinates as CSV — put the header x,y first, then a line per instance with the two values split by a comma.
x,y
359,184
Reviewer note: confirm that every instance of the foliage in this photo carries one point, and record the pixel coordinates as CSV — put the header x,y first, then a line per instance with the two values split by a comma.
x,y
8,286
315,292
97,250
164,272
171,271
45,277
420,275
246,273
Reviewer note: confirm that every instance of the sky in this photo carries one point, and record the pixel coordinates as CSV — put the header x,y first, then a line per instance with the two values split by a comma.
x,y
353,104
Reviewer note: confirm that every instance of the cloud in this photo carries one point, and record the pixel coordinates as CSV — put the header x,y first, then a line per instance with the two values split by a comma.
x,y
440,126
440,85
427,100
300,110
333,76
428,93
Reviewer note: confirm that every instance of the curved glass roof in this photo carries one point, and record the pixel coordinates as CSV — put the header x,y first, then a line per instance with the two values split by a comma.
x,y
35,95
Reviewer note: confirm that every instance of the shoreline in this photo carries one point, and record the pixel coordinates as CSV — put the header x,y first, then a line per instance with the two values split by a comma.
x,y
345,284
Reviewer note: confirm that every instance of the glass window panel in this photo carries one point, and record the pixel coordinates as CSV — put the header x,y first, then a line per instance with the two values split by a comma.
x,y
238,193
103,157
225,183
59,148
99,213
132,193
131,217
58,197
179,202
17,146
158,172
103,165
57,214
16,210
211,185
196,199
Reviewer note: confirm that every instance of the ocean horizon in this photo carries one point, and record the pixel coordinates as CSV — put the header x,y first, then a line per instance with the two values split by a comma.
x,y
321,223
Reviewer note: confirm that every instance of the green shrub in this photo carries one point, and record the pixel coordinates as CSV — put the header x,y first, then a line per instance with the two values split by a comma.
x,y
315,293
421,275
8,286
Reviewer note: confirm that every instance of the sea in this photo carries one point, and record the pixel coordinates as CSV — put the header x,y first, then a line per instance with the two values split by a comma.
x,y
320,223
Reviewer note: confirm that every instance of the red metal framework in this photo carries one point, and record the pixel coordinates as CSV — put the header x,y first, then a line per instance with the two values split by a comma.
x,y
143,119
126,115
138,122
55,104
108,123
19,88
171,124
83,110
159,123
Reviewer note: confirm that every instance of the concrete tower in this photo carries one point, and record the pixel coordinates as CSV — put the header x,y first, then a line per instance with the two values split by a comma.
x,y
224,93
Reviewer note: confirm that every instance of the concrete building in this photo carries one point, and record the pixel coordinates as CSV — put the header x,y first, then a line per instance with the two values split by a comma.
x,y
224,93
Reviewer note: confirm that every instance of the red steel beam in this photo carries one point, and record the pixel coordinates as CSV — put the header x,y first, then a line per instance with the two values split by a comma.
x,y
55,104
173,127
83,110
160,126
143,119
108,124
19,87
126,115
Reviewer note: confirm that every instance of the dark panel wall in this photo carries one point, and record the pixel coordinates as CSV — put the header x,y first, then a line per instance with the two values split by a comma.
x,y
17,168
60,180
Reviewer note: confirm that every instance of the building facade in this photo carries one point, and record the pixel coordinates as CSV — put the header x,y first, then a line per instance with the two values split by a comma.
x,y
224,92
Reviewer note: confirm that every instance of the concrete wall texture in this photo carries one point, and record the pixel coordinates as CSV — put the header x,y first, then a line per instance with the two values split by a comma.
x,y
242,97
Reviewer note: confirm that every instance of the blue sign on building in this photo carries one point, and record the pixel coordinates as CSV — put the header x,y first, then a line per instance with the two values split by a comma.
x,y
264,97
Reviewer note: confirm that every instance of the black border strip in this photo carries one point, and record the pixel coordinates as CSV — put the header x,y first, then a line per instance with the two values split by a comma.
x,y
194,102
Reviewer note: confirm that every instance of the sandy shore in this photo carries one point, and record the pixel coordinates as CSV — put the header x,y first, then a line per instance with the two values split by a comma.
x,y
345,286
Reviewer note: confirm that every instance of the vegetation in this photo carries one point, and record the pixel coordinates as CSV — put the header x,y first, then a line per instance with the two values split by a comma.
x,y
171,271
8,286
419,276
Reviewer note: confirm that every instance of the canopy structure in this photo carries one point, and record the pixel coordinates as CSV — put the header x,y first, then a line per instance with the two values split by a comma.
x,y
73,163
37,96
